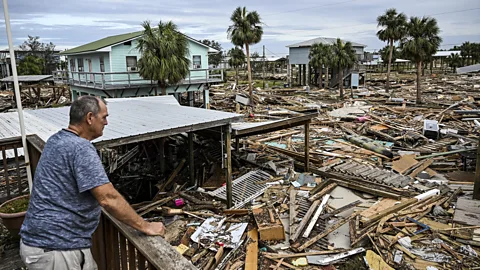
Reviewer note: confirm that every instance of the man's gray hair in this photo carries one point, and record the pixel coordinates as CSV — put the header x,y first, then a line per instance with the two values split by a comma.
x,y
82,106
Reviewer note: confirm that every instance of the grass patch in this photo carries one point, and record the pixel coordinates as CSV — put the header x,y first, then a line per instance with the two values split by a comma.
x,y
16,206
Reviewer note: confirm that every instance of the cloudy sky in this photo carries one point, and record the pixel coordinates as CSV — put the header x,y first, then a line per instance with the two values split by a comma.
x,y
69,23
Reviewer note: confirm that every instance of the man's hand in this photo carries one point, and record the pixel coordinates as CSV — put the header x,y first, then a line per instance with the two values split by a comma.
x,y
154,228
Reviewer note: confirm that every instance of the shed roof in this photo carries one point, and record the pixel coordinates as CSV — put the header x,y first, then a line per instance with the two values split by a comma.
x,y
323,40
112,40
468,69
29,78
131,120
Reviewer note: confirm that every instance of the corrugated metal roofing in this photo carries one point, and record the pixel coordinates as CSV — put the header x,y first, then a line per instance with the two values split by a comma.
x,y
323,40
128,117
28,78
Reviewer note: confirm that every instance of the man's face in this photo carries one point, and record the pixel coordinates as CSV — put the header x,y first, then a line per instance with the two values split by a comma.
x,y
99,121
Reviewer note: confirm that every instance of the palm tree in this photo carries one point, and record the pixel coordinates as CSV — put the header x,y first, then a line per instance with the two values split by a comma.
x,y
466,51
320,55
393,29
164,53
385,54
454,61
245,31
421,42
343,56
237,59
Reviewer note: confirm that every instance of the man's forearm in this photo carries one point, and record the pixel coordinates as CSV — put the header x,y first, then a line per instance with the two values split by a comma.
x,y
121,210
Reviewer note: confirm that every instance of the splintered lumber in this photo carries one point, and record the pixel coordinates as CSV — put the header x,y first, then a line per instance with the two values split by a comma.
x,y
282,262
278,136
422,167
251,261
267,229
388,211
342,209
325,233
149,207
323,192
315,217
304,221
172,176
451,251
296,255
293,211
195,200
406,251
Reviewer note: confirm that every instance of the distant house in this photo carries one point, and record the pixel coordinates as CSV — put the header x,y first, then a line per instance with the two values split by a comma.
x,y
108,68
298,59
6,68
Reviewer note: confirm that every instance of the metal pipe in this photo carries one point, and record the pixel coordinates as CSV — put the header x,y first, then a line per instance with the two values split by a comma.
x,y
17,93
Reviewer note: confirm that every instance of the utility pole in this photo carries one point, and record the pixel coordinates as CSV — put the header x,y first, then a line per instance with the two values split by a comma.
x,y
263,67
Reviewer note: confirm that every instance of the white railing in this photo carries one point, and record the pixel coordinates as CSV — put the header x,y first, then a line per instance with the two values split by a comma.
x,y
105,80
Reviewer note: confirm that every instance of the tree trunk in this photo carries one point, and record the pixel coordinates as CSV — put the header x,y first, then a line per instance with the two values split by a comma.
x,y
236,76
320,81
326,78
423,69
419,70
340,81
250,90
387,85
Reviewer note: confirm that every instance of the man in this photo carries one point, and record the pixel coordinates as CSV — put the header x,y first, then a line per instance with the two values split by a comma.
x,y
69,187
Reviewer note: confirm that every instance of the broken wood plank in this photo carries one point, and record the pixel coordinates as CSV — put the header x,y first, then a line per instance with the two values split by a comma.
x,y
315,217
296,255
251,261
406,251
393,209
320,194
293,207
404,163
421,167
288,134
304,221
283,263
327,232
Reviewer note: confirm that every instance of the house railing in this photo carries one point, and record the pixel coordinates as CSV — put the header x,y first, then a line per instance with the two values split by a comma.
x,y
114,245
13,173
106,80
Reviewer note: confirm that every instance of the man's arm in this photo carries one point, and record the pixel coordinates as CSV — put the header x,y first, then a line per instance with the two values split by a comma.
x,y
110,199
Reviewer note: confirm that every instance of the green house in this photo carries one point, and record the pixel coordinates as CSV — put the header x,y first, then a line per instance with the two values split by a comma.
x,y
108,68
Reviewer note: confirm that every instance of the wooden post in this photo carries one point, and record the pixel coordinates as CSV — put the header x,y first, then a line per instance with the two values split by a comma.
x,y
237,144
228,149
191,158
307,147
476,187
162,155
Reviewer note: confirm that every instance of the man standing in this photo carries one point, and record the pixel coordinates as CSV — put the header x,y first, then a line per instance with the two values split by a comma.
x,y
69,186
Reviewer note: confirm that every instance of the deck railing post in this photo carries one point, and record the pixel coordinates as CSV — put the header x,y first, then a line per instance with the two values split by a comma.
x,y
103,80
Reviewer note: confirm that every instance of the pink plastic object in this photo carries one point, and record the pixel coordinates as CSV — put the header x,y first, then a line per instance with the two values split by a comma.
x,y
179,202
362,119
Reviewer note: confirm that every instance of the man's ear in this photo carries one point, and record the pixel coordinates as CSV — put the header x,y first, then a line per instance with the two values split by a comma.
x,y
89,118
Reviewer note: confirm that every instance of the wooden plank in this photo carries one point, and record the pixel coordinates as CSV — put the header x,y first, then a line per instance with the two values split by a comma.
x,y
325,233
274,126
393,209
296,255
468,205
293,206
422,167
404,163
320,194
131,256
123,251
228,173
466,218
376,262
381,205
17,167
283,135
155,249
5,171
304,221
141,261
115,245
315,217
251,261
307,147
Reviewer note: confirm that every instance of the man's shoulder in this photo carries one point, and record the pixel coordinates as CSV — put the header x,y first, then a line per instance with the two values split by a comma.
x,y
67,140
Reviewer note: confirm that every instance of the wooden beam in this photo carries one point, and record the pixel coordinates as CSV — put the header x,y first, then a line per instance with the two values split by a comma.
x,y
293,211
296,255
228,149
307,147
251,259
304,221
277,125
476,187
421,167
388,211
191,158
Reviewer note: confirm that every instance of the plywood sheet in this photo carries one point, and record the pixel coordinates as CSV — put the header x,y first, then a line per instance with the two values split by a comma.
x,y
466,218
404,163
461,176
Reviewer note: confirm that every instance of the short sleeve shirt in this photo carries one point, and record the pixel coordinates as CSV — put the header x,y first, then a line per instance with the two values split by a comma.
x,y
63,213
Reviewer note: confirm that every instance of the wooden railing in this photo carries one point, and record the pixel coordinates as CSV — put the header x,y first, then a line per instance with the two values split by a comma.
x,y
109,80
13,176
117,246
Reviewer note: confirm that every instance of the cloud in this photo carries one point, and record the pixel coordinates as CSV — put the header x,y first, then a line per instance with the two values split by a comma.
x,y
70,23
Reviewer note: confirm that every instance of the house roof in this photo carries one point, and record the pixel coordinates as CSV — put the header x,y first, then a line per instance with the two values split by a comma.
x,y
29,78
130,120
112,40
445,53
468,69
324,40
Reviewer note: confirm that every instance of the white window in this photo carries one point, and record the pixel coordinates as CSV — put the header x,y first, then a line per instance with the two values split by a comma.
x,y
131,63
197,61
80,64
72,65
102,64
